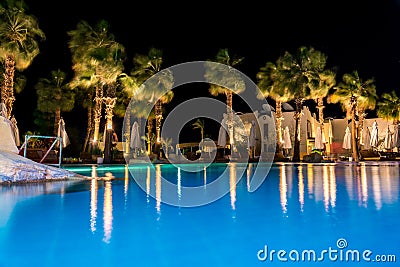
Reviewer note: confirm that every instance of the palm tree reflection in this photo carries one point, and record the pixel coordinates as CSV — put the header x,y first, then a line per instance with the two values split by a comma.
x,y
107,211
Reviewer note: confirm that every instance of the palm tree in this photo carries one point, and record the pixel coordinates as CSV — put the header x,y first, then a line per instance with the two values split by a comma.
x,y
19,45
199,124
355,96
155,91
97,62
54,96
389,107
327,81
233,83
271,84
302,74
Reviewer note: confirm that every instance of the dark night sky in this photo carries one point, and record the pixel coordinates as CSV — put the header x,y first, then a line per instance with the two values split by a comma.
x,y
354,34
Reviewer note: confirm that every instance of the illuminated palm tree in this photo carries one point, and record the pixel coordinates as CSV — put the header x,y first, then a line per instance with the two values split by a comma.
x,y
271,84
319,93
232,81
19,45
97,62
199,124
302,74
153,90
355,97
389,107
55,96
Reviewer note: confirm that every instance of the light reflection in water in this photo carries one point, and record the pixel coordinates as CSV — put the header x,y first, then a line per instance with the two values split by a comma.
x,y
93,199
107,211
376,187
301,188
179,184
232,185
332,183
205,175
283,188
364,186
126,185
310,179
158,188
148,184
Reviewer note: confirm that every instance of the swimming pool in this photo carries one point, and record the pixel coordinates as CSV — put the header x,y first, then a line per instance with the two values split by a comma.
x,y
335,214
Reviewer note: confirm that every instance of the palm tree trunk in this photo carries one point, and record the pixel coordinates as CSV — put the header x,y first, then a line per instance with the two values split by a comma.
x,y
7,92
320,107
354,144
89,128
57,118
279,118
361,118
127,133
297,116
149,132
97,112
159,117
229,121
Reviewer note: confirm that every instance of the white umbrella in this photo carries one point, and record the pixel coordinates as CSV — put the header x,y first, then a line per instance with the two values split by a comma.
x,y
347,139
221,136
318,139
388,144
287,143
252,136
396,139
374,135
135,136
63,133
330,132
366,138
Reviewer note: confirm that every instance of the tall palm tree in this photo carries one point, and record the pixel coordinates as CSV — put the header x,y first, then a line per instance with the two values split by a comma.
x,y
199,124
355,96
389,107
55,96
145,66
19,45
302,74
319,93
271,83
97,62
232,81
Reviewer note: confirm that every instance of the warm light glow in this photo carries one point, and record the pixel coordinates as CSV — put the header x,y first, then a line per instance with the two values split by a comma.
x,y
301,188
326,188
93,204
179,184
148,185
364,186
158,189
310,180
283,188
376,187
332,183
126,184
107,211
232,185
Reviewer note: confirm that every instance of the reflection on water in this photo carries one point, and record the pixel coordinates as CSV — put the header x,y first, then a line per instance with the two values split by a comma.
x,y
301,187
232,185
107,211
380,182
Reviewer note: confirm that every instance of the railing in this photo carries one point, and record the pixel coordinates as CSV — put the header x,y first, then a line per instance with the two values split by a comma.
x,y
56,139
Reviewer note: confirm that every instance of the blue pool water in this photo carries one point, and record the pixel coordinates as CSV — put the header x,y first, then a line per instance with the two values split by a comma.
x,y
346,214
